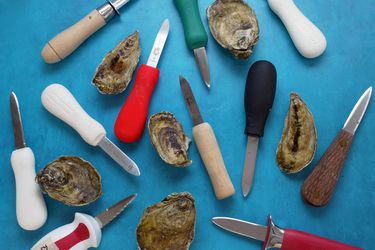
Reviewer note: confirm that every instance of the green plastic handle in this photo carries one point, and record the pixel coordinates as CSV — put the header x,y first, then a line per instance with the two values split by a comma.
x,y
195,34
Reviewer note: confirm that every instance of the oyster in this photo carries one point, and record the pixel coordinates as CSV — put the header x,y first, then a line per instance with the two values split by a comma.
x,y
71,180
234,26
298,143
169,224
116,70
168,138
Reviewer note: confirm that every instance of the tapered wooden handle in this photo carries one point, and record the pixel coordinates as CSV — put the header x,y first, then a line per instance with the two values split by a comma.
x,y
319,186
210,153
70,39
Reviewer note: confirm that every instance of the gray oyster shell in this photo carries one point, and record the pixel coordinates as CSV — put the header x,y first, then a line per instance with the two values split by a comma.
x,y
168,138
71,180
169,224
234,26
116,69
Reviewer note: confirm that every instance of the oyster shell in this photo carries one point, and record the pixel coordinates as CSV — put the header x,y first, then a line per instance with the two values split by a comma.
x,y
71,180
169,224
234,26
298,143
116,69
168,138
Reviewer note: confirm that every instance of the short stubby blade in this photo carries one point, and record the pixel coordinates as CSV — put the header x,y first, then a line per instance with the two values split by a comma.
x,y
249,166
244,228
17,122
159,43
358,112
109,214
190,101
204,68
120,157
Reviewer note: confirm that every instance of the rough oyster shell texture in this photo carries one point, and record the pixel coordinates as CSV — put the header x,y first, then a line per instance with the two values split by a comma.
x,y
71,180
298,143
169,224
116,69
168,138
234,26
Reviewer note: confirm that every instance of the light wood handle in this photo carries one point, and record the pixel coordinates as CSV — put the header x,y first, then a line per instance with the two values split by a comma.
x,y
318,188
70,39
210,153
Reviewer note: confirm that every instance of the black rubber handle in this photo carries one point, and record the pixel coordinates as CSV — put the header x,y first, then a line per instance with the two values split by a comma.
x,y
259,95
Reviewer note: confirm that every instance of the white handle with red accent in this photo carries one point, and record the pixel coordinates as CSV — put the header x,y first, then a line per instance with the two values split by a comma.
x,y
84,232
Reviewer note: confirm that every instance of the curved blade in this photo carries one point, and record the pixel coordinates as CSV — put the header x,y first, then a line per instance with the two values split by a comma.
x,y
358,111
110,213
17,122
244,228
159,43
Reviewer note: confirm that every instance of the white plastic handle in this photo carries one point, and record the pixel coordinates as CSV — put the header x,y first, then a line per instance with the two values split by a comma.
x,y
60,102
31,209
84,232
307,38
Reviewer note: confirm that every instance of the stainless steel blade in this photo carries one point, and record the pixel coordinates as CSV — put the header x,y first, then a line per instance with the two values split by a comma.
x,y
159,43
110,213
249,166
244,228
202,61
190,101
358,111
19,137
117,4
120,157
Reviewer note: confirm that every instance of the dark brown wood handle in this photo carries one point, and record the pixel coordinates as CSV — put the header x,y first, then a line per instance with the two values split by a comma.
x,y
318,188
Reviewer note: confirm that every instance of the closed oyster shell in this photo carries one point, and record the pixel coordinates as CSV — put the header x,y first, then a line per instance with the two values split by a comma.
x,y
71,180
234,25
116,69
298,143
169,224
168,138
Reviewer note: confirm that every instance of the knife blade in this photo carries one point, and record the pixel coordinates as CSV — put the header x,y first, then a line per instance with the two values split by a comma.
x,y
207,146
66,42
132,117
31,209
61,103
318,188
275,237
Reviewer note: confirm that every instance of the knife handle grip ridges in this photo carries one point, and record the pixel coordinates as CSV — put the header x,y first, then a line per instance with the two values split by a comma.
x,y
210,153
61,103
131,120
63,44
195,34
31,209
307,38
259,96
319,186
297,240
84,232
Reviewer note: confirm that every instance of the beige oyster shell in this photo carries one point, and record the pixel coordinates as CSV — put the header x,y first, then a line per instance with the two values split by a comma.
x,y
169,224
71,180
116,69
234,25
168,138
298,143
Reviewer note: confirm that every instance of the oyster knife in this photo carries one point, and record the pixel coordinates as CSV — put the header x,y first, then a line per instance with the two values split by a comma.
x,y
318,188
275,237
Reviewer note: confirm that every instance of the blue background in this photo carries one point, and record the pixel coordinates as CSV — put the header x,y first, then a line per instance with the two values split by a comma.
x,y
330,85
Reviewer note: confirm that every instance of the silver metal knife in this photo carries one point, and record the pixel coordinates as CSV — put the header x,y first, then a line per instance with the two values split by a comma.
x,y
275,237
318,188
61,103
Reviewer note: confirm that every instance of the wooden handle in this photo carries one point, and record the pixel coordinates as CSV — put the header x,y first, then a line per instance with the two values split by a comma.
x,y
318,188
210,153
70,39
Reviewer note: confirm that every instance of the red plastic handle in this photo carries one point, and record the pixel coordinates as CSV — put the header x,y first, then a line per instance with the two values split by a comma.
x,y
81,233
297,240
132,118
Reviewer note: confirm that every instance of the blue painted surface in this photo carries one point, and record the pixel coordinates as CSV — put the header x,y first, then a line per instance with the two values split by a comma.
x,y
330,85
